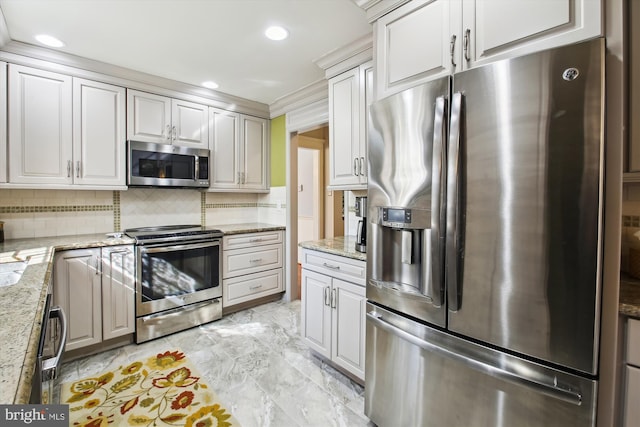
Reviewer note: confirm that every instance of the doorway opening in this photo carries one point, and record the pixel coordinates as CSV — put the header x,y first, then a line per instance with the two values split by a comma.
x,y
319,210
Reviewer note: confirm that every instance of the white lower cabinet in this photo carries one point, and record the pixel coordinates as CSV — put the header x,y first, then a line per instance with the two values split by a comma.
x,y
632,374
333,309
252,266
95,288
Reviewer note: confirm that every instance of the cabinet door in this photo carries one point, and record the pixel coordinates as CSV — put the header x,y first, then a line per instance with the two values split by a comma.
x,y
632,397
348,326
148,117
190,125
3,122
344,128
413,44
225,137
254,153
316,312
39,112
98,133
118,292
77,289
366,98
508,28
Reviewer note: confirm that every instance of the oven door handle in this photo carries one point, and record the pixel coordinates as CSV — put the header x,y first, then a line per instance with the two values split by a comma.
x,y
173,248
50,366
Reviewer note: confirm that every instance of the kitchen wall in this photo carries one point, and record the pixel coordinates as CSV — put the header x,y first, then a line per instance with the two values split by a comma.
x,y
42,213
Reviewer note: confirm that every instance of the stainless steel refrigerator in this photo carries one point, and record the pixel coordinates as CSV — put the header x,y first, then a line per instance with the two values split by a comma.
x,y
485,195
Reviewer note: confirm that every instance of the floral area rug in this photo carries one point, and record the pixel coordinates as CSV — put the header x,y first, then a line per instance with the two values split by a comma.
x,y
163,390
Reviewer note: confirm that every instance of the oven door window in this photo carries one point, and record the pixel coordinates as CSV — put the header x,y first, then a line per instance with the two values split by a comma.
x,y
178,270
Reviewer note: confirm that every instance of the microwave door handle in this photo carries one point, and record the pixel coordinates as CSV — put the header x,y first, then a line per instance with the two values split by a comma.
x,y
453,237
50,366
436,251
197,168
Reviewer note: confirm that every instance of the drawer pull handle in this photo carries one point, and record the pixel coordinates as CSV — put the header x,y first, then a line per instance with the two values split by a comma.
x,y
253,288
333,267
256,260
257,239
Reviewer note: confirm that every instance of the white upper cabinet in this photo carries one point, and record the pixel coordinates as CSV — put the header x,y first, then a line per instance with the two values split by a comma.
x,y
413,44
65,131
155,118
148,117
349,99
254,152
99,147
40,127
3,122
225,138
426,39
189,124
240,152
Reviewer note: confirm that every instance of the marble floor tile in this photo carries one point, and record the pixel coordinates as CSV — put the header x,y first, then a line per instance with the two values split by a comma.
x,y
258,365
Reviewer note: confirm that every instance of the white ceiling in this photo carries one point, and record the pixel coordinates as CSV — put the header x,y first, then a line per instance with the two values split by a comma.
x,y
197,40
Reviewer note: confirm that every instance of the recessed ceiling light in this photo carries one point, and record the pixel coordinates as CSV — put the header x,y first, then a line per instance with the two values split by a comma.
x,y
49,40
210,85
276,33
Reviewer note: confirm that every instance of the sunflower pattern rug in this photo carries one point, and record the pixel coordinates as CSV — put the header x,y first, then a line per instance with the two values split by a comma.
x,y
163,390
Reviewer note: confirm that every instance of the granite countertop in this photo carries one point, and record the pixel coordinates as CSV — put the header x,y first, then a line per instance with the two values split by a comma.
x,y
342,246
248,227
629,296
22,306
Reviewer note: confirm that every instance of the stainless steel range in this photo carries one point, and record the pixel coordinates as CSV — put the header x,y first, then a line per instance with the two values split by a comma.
x,y
178,282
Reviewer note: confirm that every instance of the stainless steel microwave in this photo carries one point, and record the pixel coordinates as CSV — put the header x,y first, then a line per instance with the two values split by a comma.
x,y
164,165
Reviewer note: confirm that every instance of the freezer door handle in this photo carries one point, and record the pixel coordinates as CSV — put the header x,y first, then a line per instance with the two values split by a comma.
x,y
551,388
437,241
453,249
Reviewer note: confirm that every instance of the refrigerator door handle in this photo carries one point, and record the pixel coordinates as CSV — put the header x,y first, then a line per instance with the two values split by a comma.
x,y
453,250
551,388
438,159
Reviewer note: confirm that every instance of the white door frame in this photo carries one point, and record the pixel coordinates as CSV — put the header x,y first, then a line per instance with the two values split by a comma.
x,y
301,120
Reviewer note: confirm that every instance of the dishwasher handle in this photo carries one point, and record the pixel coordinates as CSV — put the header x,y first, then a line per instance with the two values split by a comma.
x,y
50,366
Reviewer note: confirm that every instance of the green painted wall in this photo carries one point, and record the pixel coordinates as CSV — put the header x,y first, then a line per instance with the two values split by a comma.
x,y
278,151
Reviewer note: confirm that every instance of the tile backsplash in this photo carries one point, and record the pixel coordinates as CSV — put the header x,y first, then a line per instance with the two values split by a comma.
x,y
42,213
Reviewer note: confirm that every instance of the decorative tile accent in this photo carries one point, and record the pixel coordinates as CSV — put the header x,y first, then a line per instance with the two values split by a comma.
x,y
116,211
39,209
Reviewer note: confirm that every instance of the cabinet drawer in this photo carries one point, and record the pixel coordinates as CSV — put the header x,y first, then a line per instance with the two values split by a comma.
x,y
239,241
251,260
251,286
344,268
633,342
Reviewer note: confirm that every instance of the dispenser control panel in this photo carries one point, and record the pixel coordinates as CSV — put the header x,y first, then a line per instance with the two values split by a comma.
x,y
396,216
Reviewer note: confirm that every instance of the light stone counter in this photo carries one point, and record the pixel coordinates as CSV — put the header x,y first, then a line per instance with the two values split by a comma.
x,y
342,246
22,306
249,227
629,297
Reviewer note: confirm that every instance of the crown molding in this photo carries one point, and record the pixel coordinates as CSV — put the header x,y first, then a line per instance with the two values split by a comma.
x,y
377,8
304,96
53,60
346,57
